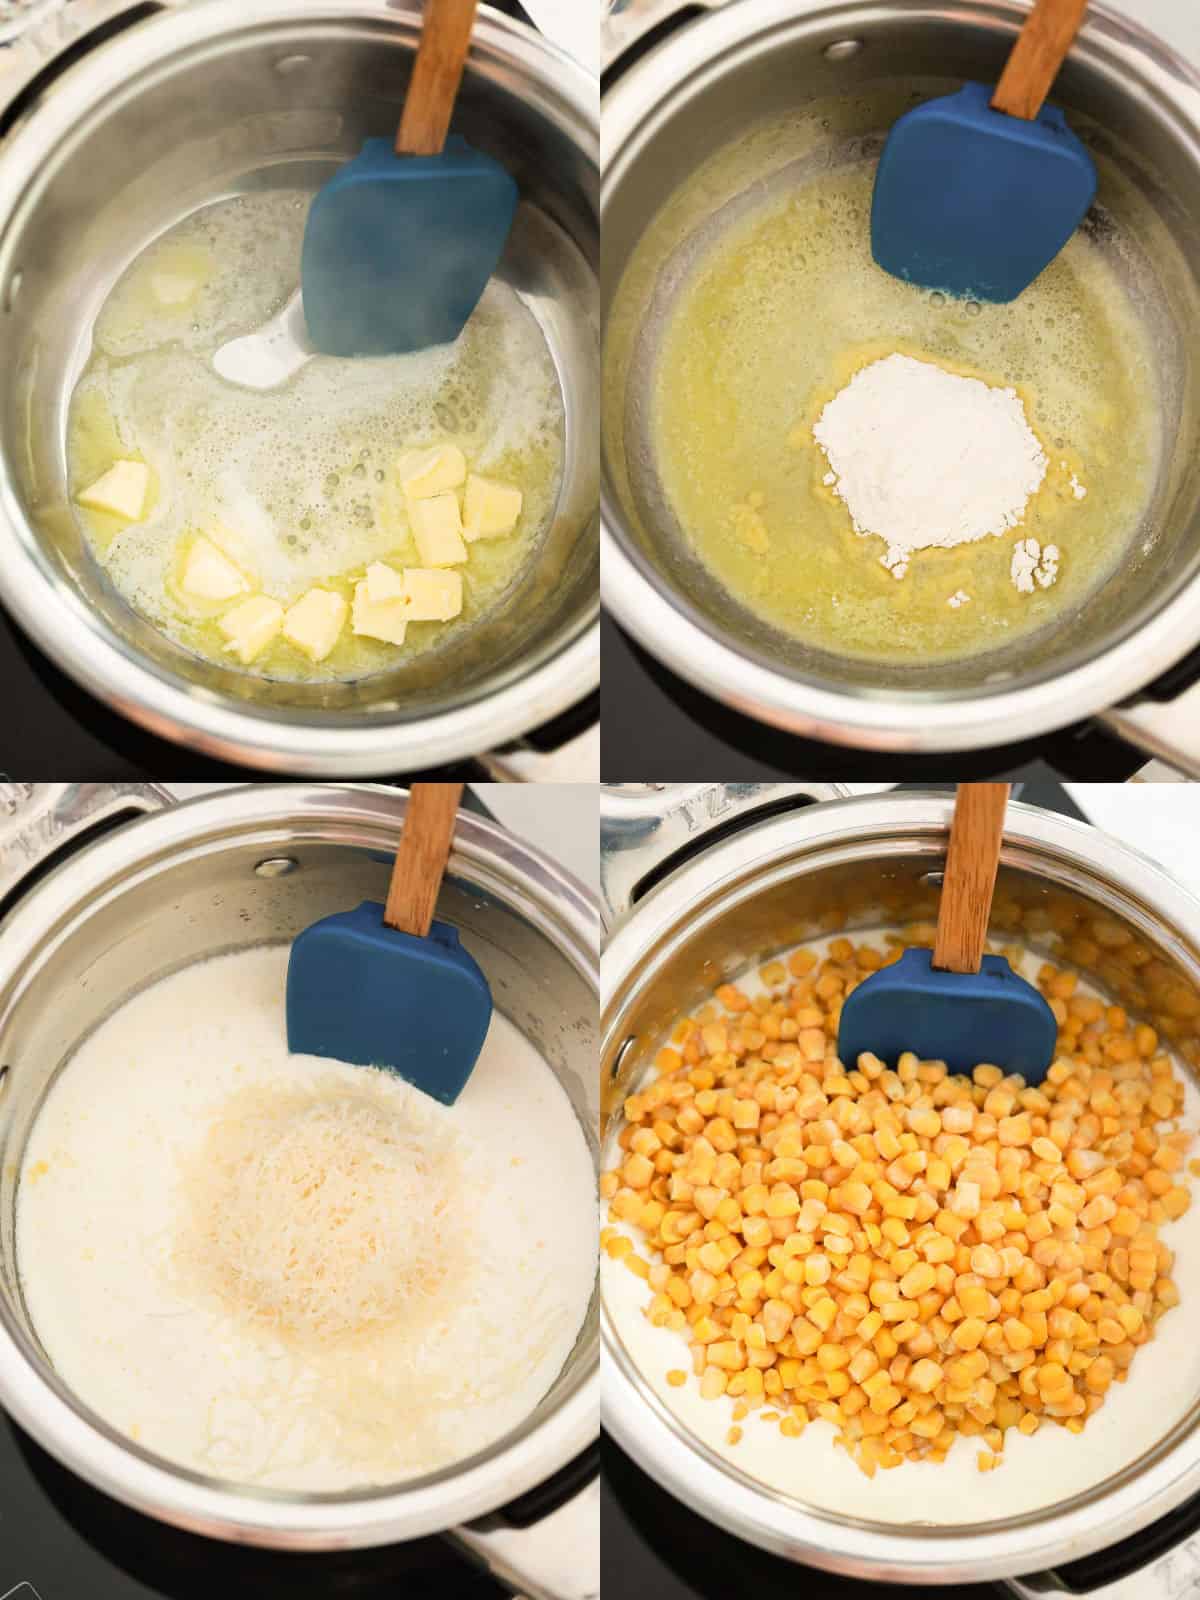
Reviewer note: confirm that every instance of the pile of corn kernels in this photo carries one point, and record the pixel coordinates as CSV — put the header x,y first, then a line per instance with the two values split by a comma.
x,y
907,1254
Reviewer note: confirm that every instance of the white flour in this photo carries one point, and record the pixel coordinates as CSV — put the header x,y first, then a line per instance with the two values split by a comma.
x,y
1033,562
924,458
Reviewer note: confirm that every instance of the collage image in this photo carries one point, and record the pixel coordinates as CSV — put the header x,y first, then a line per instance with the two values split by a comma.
x,y
599,799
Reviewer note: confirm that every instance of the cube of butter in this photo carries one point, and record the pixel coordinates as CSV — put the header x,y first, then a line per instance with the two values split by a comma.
x,y
437,528
210,575
489,508
432,595
121,491
379,619
315,621
251,626
428,472
383,583
234,548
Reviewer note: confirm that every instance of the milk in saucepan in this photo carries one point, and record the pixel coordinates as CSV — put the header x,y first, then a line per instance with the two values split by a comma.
x,y
148,1271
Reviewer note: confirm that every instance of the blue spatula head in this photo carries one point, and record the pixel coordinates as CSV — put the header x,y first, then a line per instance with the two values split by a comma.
x,y
975,202
962,1019
398,249
361,992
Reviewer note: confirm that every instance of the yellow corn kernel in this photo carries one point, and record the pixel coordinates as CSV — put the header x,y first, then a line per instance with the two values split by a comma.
x,y
727,1354
823,1313
985,1261
713,1383
925,1376
1131,1320
1016,1130
968,1333
975,1301
830,1357
1099,1374
1175,1202
856,1197
917,1280
637,1171
783,1201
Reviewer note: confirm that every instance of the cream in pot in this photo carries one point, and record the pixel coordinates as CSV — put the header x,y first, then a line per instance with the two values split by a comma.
x,y
428,1297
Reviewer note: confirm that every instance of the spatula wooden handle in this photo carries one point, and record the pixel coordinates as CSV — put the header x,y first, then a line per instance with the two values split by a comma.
x,y
1040,50
421,859
445,39
971,863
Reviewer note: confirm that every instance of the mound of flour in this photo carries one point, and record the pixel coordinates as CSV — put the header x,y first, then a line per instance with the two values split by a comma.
x,y
924,458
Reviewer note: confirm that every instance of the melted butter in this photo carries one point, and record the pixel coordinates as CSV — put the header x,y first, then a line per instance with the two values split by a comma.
x,y
778,316
303,476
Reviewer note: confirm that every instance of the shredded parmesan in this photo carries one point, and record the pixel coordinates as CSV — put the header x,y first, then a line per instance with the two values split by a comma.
x,y
323,1213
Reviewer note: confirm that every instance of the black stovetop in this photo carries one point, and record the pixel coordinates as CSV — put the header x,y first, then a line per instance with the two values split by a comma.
x,y
66,1541
652,1546
52,728
656,724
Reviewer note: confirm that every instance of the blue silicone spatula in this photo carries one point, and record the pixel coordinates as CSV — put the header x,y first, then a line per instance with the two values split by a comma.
x,y
953,1003
978,191
386,985
401,241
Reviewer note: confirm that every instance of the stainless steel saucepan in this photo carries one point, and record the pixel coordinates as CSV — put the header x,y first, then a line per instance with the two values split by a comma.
x,y
686,80
701,880
116,121
253,866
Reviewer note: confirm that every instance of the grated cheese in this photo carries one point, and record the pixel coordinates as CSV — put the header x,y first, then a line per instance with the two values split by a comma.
x,y
321,1213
